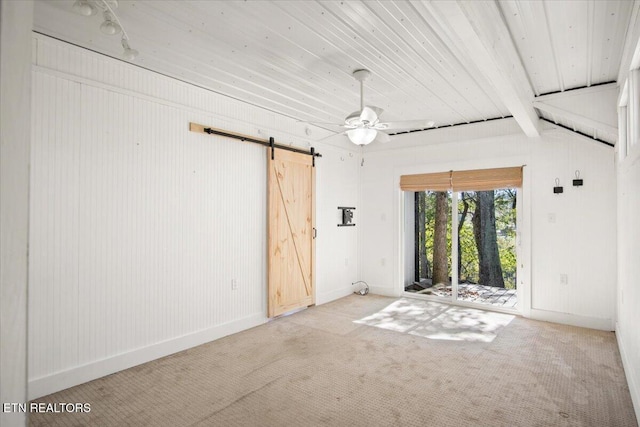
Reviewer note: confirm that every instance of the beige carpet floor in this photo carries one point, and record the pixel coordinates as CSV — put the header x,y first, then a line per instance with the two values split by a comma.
x,y
346,364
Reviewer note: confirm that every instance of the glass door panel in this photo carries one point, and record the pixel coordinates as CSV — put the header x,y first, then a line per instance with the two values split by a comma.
x,y
486,246
432,242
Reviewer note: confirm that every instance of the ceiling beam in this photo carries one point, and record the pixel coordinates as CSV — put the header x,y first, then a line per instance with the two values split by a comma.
x,y
592,107
576,118
577,92
576,132
478,29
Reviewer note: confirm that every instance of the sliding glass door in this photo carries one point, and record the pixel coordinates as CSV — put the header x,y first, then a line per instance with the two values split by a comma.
x,y
463,240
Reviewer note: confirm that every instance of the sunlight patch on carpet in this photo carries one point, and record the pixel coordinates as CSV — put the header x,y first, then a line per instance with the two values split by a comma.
x,y
438,321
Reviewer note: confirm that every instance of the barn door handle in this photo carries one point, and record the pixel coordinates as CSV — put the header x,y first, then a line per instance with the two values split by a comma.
x,y
315,232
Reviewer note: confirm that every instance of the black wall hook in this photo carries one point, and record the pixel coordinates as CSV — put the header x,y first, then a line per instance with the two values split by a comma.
x,y
578,182
558,188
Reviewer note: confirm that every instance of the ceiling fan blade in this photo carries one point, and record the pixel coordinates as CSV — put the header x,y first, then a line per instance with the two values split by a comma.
x,y
369,115
333,127
378,110
382,138
406,124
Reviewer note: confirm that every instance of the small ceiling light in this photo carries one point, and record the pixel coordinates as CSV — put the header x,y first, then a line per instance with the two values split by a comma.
x,y
128,54
109,26
83,7
362,136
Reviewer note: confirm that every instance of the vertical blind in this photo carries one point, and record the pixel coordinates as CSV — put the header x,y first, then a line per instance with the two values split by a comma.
x,y
469,180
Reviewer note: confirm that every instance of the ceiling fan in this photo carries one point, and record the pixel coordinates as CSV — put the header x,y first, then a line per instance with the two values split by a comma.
x,y
364,126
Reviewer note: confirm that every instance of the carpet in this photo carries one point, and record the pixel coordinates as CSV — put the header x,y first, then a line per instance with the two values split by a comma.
x,y
337,365
438,321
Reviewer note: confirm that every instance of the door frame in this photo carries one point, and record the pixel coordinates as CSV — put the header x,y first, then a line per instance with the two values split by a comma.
x,y
523,236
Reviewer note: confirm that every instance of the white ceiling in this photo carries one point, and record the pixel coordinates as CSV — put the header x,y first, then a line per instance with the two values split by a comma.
x,y
568,44
296,57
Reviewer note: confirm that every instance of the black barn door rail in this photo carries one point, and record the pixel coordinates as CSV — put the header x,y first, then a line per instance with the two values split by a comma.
x,y
195,127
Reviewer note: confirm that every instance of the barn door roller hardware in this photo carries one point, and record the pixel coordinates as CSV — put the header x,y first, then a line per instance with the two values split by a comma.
x,y
195,127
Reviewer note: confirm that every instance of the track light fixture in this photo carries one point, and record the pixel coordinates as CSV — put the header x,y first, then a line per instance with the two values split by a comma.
x,y
111,25
128,54
83,7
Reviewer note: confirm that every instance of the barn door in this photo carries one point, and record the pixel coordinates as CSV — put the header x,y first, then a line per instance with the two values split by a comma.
x,y
291,231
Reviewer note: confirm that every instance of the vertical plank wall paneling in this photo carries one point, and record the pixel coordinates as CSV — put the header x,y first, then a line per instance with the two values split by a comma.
x,y
54,259
580,235
137,225
628,298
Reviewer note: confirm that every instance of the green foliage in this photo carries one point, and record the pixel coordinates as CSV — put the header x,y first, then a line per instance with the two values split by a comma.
x,y
506,227
505,212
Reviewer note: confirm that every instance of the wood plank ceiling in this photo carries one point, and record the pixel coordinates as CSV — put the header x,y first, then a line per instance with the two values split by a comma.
x,y
296,57
568,44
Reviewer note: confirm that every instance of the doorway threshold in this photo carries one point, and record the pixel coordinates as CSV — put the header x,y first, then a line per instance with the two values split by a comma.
x,y
459,303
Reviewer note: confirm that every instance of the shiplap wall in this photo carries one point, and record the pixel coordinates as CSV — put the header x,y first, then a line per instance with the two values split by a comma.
x,y
138,226
16,20
628,180
580,242
628,298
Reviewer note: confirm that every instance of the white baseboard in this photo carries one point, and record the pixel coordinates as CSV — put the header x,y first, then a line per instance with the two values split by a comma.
x,y
572,319
384,291
629,373
326,297
81,374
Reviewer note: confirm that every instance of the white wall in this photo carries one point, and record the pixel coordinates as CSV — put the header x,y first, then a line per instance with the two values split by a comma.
x,y
628,198
16,19
138,226
580,243
628,298
336,247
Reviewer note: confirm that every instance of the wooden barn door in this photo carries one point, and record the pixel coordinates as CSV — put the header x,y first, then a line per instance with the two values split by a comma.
x,y
291,231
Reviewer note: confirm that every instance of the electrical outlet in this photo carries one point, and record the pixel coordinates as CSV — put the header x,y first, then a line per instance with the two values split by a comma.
x,y
383,261
564,279
551,217
346,262
234,284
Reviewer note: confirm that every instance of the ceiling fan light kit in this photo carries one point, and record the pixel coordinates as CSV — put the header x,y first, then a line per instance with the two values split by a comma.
x,y
362,136
111,25
364,126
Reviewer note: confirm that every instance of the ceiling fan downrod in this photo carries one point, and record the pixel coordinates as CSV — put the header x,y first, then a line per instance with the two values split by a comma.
x,y
361,75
